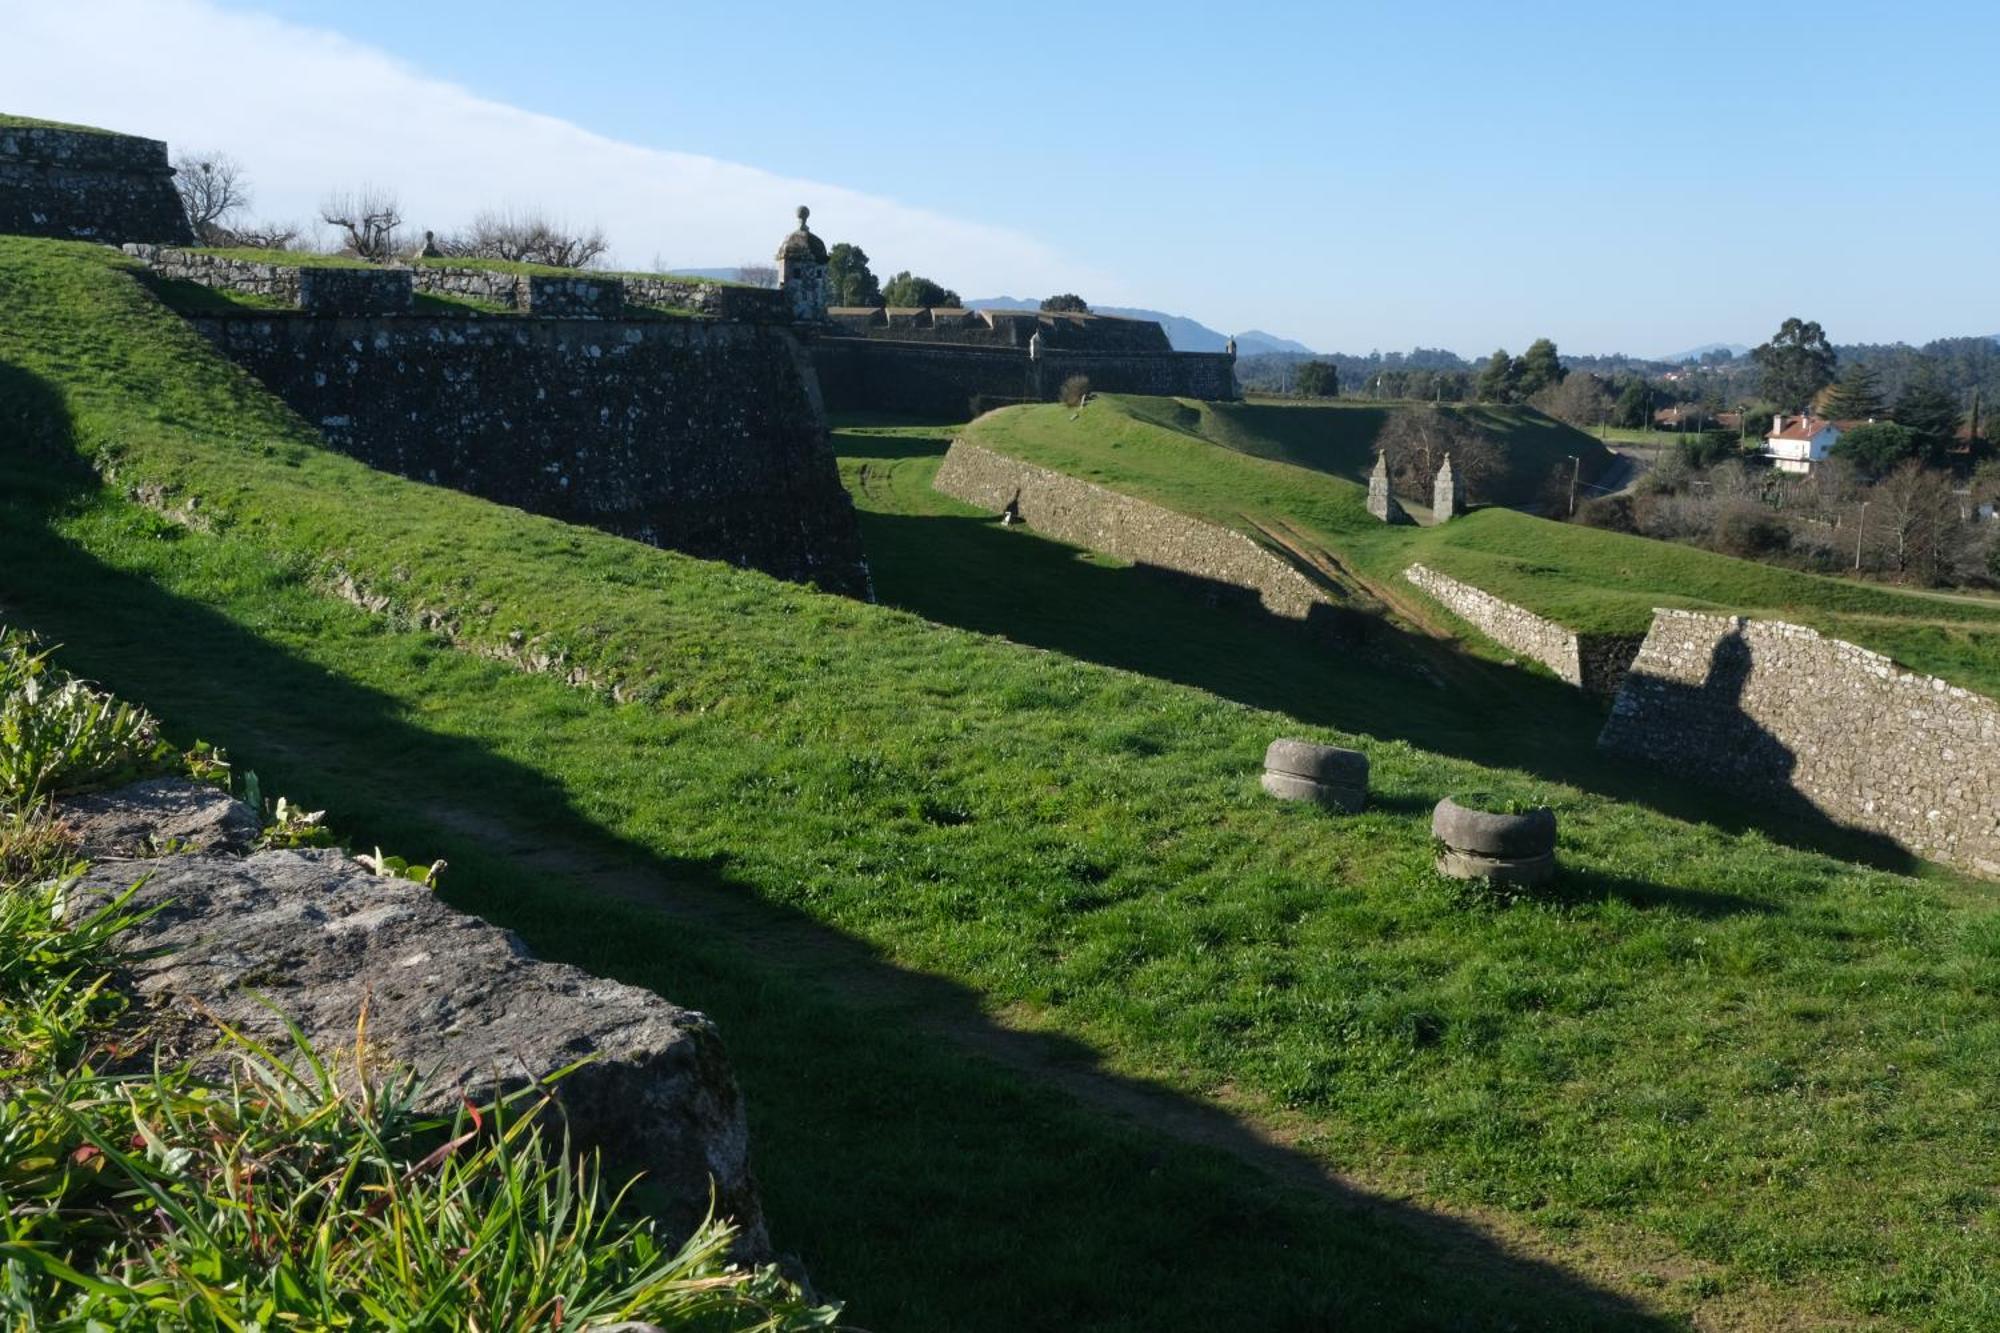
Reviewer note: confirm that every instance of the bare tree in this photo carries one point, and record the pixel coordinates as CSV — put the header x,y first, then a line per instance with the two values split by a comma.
x,y
213,189
1416,440
264,235
368,217
527,238
1915,524
758,275
1579,398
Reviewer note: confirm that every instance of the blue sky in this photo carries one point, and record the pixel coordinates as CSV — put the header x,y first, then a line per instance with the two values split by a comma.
x,y
1461,175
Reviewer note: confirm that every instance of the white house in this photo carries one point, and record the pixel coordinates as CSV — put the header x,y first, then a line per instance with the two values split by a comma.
x,y
1796,443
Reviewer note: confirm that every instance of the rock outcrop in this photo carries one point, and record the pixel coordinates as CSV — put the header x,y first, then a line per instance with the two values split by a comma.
x,y
317,936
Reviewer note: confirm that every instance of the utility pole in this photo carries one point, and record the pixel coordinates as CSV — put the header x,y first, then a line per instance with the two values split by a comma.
x,y
1860,526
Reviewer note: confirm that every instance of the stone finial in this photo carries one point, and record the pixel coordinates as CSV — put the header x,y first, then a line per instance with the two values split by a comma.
x,y
1381,503
1229,348
1447,493
430,248
804,213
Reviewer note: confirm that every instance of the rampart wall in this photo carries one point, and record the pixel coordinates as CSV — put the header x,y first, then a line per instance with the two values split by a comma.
x,y
1131,529
88,186
699,436
1594,662
956,382
1767,707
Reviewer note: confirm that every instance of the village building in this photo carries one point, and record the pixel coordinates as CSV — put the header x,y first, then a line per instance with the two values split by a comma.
x,y
1795,443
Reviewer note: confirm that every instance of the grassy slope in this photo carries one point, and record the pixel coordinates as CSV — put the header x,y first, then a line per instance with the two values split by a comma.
x,y
1775,1059
8,122
1340,437
1582,577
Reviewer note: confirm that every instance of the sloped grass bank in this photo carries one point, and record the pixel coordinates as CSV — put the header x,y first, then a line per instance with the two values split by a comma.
x,y
1342,438
1776,1060
1588,580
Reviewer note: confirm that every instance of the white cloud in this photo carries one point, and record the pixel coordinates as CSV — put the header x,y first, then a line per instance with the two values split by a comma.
x,y
306,110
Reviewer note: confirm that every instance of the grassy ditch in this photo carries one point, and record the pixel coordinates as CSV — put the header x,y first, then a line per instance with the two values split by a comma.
x,y
1586,579
1765,1062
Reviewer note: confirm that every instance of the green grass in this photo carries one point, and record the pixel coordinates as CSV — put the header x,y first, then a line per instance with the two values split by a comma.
x,y
1763,1057
1342,438
1584,578
8,122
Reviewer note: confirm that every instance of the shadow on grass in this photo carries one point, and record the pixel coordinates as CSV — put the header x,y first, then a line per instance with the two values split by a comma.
x,y
931,1167
1374,679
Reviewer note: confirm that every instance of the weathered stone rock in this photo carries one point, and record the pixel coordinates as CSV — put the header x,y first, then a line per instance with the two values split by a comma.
x,y
1528,834
1321,763
157,816
1346,798
461,1000
1767,708
1500,869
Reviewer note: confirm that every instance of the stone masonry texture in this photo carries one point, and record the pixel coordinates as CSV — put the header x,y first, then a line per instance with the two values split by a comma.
x,y
1146,534
1763,706
87,186
1592,662
698,436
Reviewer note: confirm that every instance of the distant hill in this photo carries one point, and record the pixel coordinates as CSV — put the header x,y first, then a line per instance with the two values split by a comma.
x,y
1186,335
1696,353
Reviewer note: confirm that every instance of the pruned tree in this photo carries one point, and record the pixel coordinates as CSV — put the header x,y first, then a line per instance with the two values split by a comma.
x,y
1068,302
213,188
263,236
527,238
368,218
758,275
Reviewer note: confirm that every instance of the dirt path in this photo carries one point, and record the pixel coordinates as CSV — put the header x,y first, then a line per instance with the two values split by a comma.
x,y
1636,1266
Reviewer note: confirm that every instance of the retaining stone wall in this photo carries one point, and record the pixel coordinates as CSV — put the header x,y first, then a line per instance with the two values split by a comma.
x,y
86,186
1763,706
321,289
703,437
950,381
1147,534
1593,662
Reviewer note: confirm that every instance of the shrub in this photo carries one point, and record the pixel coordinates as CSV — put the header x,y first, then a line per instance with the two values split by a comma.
x,y
1074,390
57,734
1750,530
1610,512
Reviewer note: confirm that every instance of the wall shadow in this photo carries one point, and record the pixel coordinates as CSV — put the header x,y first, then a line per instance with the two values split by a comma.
x,y
1350,669
934,1183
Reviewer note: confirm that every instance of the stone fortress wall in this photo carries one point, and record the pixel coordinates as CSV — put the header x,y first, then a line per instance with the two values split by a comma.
x,y
955,363
702,436
1131,529
1770,708
87,185
1593,662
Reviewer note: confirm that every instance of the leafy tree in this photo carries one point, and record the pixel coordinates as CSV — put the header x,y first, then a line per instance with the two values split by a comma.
x,y
1539,368
1496,381
1635,400
1796,364
1318,379
907,289
848,279
1066,301
1877,447
1856,396
1930,413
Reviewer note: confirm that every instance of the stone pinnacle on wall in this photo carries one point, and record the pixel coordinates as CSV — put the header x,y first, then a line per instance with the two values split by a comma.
x,y
1381,503
1448,493
802,272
